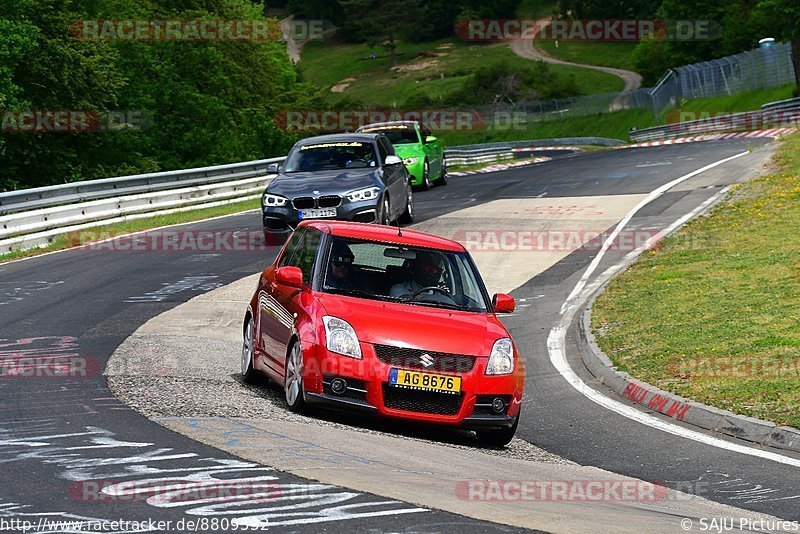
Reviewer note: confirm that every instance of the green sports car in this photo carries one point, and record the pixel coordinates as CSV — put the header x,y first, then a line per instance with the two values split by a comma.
x,y
421,152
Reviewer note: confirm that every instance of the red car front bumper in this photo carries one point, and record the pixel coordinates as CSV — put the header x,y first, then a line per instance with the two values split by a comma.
x,y
367,389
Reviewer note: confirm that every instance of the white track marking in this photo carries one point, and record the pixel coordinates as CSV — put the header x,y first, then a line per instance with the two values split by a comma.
x,y
558,357
649,198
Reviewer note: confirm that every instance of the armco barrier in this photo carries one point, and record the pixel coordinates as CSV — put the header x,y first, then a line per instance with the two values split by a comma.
x,y
33,217
772,115
38,227
54,195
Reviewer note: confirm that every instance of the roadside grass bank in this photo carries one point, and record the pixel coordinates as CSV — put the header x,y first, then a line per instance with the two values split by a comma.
x,y
605,54
615,125
742,102
85,236
426,72
712,313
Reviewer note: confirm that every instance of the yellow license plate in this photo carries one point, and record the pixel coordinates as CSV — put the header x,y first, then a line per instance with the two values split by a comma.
x,y
429,381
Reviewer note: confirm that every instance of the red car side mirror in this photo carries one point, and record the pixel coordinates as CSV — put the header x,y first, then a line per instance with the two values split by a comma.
x,y
289,276
503,303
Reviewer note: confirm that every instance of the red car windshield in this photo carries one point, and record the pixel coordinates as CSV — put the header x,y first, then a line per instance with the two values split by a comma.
x,y
384,271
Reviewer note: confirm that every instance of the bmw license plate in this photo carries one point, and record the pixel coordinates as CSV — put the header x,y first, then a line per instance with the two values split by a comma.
x,y
317,214
427,381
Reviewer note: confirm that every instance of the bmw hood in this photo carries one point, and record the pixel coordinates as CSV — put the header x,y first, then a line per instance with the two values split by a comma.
x,y
326,182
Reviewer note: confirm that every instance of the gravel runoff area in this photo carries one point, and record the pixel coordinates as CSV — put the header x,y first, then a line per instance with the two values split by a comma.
x,y
160,371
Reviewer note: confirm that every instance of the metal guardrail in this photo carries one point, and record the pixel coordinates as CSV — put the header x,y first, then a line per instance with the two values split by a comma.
x,y
785,113
563,141
782,104
33,217
54,195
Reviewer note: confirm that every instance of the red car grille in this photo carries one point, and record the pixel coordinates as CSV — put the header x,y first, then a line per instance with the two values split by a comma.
x,y
421,401
410,358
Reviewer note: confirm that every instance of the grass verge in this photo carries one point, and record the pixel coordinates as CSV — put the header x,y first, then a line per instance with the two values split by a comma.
x,y
612,54
712,314
614,125
442,69
81,237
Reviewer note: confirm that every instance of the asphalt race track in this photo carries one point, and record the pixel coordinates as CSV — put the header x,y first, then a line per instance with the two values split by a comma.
x,y
58,434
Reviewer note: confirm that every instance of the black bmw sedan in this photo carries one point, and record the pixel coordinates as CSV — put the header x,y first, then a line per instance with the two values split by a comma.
x,y
355,177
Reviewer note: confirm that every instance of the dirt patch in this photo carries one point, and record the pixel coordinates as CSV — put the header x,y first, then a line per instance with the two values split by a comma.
x,y
342,85
416,66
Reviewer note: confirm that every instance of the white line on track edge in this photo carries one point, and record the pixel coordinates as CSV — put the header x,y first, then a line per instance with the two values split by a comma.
x,y
648,199
557,337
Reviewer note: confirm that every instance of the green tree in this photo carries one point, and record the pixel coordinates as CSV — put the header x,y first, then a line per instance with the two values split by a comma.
x,y
382,21
209,102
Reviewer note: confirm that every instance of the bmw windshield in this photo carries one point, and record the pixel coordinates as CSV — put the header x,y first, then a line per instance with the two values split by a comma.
x,y
389,272
331,156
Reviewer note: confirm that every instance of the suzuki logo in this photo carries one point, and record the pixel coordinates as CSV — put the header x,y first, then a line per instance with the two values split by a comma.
x,y
426,360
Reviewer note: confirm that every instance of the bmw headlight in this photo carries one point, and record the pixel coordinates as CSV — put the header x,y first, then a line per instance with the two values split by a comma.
x,y
410,161
340,337
501,361
269,200
368,193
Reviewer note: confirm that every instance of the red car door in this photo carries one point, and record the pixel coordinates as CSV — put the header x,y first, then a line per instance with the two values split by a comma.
x,y
279,305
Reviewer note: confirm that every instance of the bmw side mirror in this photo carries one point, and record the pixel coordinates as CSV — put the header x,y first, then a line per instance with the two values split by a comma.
x,y
430,139
289,276
392,160
273,167
503,303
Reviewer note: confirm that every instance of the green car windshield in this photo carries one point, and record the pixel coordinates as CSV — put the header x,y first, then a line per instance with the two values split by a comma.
x,y
397,133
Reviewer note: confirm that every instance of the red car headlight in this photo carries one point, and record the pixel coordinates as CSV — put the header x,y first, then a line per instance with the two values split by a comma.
x,y
501,361
340,337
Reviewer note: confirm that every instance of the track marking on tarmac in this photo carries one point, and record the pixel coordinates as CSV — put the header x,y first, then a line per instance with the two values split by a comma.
x,y
556,339
512,240
649,198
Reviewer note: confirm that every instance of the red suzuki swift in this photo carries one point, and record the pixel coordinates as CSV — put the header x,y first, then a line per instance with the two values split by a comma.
x,y
368,318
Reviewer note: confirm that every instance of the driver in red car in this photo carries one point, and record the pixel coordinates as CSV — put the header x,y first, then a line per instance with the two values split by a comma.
x,y
341,275
426,272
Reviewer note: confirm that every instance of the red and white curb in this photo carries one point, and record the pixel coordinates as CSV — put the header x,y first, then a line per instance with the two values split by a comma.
x,y
775,133
547,148
498,167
